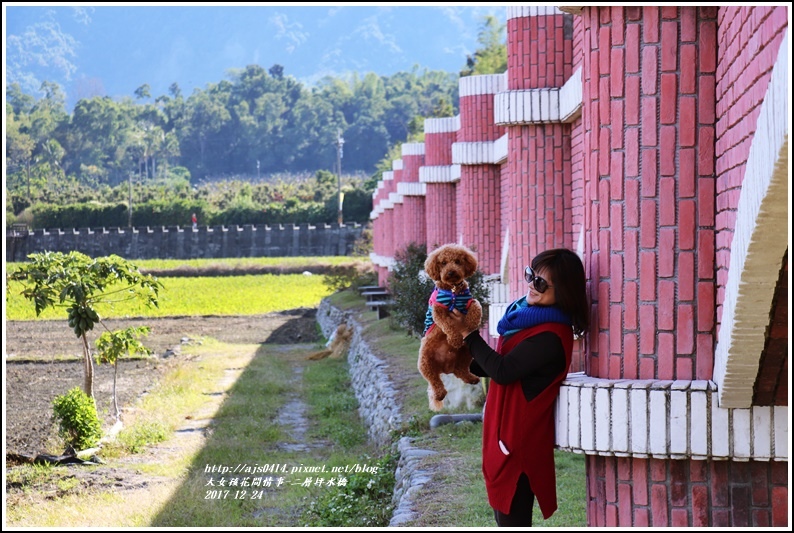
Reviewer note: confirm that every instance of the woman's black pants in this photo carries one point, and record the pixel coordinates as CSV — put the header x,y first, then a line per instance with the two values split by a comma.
x,y
520,508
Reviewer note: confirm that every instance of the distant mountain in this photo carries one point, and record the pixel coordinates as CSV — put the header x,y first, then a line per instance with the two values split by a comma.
x,y
112,50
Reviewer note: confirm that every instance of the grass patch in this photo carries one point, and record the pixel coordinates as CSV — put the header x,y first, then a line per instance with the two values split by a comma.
x,y
243,262
456,497
332,404
147,432
365,499
200,296
249,430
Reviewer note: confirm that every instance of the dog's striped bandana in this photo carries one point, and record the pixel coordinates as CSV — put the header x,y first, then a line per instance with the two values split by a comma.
x,y
451,300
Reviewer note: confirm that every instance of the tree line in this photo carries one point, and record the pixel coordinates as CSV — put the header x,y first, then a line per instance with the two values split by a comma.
x,y
255,123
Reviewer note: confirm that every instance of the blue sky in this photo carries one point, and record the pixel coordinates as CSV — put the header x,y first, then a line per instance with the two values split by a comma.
x,y
114,49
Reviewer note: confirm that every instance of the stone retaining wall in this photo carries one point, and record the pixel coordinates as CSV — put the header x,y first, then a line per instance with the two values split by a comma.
x,y
380,410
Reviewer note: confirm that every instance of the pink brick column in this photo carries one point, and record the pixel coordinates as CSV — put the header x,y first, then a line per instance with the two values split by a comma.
x,y
413,206
478,200
739,93
539,56
648,142
382,225
631,492
440,180
396,225
649,118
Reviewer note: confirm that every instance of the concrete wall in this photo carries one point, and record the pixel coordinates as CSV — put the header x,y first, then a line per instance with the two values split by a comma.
x,y
186,243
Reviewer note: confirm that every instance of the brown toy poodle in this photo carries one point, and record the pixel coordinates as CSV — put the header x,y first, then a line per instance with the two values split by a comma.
x,y
442,350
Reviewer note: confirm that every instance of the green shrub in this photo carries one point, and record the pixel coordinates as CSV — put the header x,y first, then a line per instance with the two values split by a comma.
x,y
412,290
409,290
171,212
135,438
363,244
365,501
84,215
77,418
340,277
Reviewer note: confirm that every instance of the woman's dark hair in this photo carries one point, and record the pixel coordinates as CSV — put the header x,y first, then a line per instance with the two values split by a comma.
x,y
567,275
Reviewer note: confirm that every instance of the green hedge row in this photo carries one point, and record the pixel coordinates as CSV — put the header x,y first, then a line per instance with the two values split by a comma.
x,y
179,212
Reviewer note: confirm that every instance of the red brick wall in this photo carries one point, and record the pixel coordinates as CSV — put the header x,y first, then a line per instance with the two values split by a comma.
x,y
478,200
539,51
441,213
578,45
648,137
477,119
413,207
479,213
630,492
539,167
437,148
388,232
411,164
414,225
748,39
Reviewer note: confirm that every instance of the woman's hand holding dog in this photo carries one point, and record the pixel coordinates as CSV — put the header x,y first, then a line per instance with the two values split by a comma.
x,y
457,320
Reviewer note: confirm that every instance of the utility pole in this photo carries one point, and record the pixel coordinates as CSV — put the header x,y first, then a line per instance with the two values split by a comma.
x,y
339,142
257,170
129,215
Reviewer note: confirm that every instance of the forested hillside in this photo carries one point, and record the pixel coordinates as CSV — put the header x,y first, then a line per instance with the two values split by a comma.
x,y
259,126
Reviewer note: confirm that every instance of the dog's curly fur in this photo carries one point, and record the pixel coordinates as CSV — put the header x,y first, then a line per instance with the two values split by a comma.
x,y
442,349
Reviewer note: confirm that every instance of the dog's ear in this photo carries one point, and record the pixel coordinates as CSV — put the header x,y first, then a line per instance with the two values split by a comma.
x,y
470,263
431,265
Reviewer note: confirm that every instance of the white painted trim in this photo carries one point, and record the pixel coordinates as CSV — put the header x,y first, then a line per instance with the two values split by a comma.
x,y
442,125
413,149
500,150
411,189
503,264
482,84
439,174
473,153
381,261
540,106
514,12
395,198
759,242
663,419
397,164
571,97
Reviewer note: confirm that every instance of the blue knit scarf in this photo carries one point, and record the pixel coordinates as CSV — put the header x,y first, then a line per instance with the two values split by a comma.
x,y
520,315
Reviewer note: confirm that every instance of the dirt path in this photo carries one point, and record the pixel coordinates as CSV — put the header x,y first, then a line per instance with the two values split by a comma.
x,y
34,376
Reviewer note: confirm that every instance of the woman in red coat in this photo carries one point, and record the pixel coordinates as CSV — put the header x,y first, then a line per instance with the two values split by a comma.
x,y
531,360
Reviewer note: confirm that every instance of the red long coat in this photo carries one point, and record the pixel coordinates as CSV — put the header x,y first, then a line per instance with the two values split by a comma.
x,y
525,430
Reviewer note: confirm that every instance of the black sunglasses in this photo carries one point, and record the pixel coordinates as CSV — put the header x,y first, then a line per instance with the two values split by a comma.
x,y
540,284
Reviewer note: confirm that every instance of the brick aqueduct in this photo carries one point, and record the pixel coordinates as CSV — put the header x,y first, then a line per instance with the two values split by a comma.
x,y
654,142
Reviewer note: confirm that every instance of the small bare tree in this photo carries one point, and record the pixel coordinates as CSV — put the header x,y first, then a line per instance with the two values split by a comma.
x,y
113,345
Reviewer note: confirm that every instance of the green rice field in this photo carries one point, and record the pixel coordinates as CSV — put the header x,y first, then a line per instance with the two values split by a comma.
x,y
191,296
